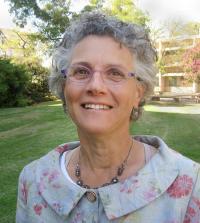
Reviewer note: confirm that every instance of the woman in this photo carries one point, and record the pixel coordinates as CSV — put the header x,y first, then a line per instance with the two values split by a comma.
x,y
103,70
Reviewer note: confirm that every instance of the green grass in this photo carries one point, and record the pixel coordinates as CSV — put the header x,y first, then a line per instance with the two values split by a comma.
x,y
28,133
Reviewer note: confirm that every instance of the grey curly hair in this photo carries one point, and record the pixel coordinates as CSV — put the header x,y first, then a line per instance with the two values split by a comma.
x,y
133,36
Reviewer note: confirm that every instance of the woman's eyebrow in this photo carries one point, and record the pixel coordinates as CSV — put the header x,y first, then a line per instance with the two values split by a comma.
x,y
82,63
109,65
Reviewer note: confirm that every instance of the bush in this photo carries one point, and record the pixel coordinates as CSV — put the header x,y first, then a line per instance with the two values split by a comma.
x,y
23,83
37,89
13,82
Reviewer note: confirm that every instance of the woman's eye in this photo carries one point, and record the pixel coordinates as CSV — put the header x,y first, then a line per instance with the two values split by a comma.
x,y
80,72
115,73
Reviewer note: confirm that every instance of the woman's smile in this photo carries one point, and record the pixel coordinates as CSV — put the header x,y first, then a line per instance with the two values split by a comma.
x,y
94,106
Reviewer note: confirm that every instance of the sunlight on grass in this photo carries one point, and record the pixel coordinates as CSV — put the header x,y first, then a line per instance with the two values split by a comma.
x,y
55,105
181,109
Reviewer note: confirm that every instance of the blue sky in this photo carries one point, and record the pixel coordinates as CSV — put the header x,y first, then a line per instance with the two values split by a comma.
x,y
160,11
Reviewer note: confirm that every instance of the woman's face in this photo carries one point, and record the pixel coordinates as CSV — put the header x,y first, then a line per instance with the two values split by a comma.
x,y
97,107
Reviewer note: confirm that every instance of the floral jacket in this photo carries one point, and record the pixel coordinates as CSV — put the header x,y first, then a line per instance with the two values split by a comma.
x,y
165,190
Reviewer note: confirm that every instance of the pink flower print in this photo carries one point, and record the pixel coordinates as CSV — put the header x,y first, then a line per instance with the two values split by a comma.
x,y
53,176
78,217
24,191
150,194
128,188
45,173
62,149
38,209
191,211
187,220
112,216
41,187
181,187
196,201
56,185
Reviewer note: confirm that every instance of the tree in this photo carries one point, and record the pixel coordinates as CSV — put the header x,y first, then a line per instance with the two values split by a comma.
x,y
127,11
22,45
93,5
191,64
24,50
49,17
52,17
177,27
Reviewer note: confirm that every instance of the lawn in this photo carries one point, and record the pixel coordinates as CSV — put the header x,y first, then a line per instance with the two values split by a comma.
x,y
28,133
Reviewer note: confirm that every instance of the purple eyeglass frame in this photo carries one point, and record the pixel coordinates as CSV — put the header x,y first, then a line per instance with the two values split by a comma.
x,y
64,74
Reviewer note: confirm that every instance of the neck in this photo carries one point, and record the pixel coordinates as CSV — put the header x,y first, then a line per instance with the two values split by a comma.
x,y
104,151
100,157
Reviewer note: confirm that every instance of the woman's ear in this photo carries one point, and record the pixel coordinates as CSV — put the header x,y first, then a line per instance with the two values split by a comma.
x,y
140,93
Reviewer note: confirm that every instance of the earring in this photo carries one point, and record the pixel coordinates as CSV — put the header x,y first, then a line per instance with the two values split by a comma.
x,y
142,103
135,114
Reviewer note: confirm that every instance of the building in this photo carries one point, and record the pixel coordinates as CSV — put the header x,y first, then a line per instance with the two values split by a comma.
x,y
171,76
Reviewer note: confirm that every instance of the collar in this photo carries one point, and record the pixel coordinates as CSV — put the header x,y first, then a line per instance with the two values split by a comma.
x,y
118,199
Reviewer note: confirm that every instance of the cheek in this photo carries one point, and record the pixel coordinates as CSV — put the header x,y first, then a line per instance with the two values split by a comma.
x,y
130,97
72,96
69,93
68,97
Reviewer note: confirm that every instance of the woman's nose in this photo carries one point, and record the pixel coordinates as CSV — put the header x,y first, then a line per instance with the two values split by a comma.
x,y
96,84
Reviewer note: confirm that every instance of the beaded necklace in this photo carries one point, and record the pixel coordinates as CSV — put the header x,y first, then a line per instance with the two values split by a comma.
x,y
114,180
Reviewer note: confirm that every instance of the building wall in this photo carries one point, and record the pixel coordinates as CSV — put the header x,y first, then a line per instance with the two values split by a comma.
x,y
170,52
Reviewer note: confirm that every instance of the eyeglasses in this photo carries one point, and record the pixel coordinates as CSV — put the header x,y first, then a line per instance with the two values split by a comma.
x,y
81,74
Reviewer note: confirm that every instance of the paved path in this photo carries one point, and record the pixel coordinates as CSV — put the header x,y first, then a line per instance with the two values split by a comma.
x,y
183,109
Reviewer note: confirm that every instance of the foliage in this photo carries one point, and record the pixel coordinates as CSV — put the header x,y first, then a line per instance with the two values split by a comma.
x,y
37,88
93,5
126,10
161,65
15,43
26,50
177,27
13,82
23,84
191,63
52,17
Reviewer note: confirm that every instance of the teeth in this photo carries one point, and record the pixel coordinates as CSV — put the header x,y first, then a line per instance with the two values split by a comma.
x,y
96,107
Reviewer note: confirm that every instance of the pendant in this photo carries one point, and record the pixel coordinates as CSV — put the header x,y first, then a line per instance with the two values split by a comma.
x,y
114,180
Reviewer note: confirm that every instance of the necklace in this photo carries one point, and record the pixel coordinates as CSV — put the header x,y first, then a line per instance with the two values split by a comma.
x,y
114,180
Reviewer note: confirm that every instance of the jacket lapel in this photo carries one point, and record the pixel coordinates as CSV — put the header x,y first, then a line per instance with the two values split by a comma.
x,y
150,183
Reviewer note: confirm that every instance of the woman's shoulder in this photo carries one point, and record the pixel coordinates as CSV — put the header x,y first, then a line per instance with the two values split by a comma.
x,y
185,165
51,160
168,157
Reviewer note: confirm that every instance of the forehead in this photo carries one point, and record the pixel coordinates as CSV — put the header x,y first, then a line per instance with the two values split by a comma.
x,y
101,50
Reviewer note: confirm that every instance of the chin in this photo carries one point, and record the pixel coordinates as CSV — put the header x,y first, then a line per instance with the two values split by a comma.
x,y
93,128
